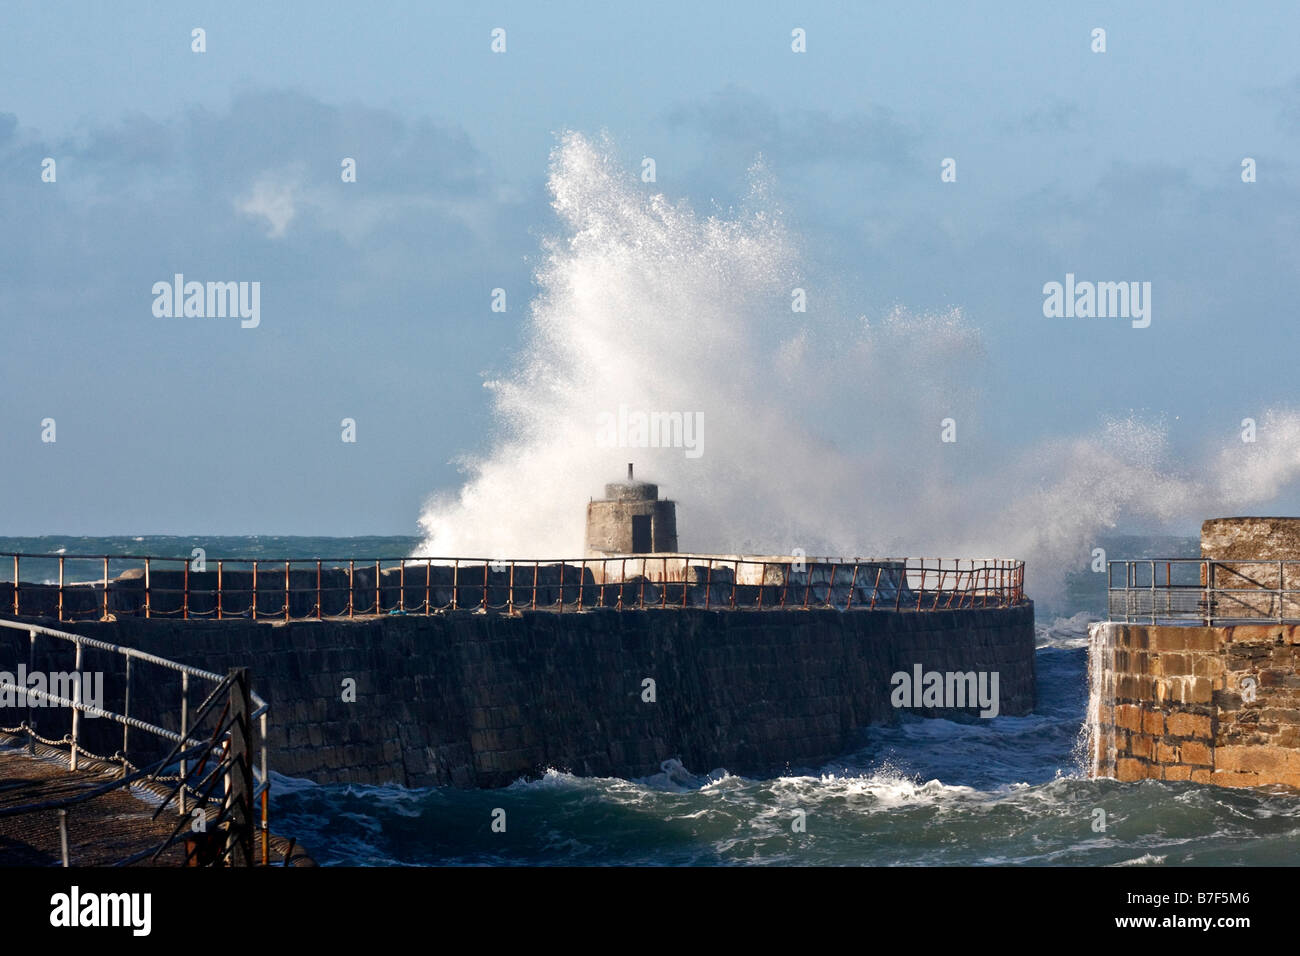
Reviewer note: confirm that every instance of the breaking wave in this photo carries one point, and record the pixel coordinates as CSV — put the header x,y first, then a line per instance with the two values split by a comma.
x,y
820,429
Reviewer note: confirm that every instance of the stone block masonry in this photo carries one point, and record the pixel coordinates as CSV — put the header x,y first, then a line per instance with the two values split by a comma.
x,y
1214,705
478,700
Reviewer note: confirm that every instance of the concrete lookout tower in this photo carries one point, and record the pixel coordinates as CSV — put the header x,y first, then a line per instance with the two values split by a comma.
x,y
631,520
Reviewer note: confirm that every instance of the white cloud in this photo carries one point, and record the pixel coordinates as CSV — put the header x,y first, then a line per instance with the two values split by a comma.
x,y
274,197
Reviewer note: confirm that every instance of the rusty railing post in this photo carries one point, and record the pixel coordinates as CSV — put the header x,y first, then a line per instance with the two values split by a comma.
x,y
126,712
185,732
1214,601
76,710
61,588
31,669
266,792
239,839
1153,592
106,586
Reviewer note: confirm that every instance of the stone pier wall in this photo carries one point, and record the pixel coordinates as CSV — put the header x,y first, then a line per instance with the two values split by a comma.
x,y
471,699
1207,704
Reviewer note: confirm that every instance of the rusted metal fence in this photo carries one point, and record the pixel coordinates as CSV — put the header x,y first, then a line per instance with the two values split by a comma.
x,y
317,588
1200,591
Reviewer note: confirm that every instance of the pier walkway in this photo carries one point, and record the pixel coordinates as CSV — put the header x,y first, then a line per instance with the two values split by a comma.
x,y
102,830
83,789
114,826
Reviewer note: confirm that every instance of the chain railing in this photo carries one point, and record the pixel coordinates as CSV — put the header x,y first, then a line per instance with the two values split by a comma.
x,y
1201,591
317,588
224,796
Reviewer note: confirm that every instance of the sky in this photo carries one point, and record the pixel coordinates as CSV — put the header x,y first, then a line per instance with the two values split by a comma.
x,y
376,295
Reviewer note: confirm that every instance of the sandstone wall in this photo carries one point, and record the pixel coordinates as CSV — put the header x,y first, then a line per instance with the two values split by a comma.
x,y
1208,704
1250,556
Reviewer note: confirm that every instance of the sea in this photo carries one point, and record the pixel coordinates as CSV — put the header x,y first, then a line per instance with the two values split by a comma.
x,y
998,792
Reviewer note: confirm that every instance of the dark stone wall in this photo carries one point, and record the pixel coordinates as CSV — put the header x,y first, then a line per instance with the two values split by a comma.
x,y
471,699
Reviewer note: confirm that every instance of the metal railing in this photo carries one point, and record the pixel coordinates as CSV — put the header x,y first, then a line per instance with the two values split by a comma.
x,y
1202,591
298,589
230,746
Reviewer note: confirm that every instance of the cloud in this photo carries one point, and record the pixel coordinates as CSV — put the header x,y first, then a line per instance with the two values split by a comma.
x,y
793,137
1287,98
270,163
1057,117
272,199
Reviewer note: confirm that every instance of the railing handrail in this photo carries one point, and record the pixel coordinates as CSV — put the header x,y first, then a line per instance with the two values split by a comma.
x,y
1143,597
51,555
473,559
1203,561
123,651
273,587
260,713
